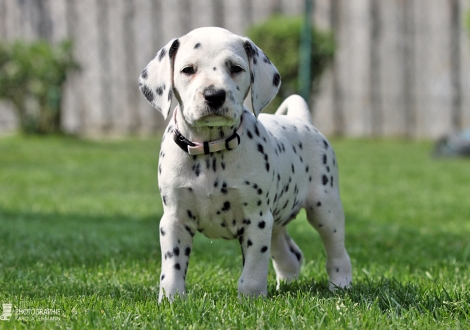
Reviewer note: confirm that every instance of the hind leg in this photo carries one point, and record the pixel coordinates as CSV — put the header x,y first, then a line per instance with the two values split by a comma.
x,y
286,255
325,214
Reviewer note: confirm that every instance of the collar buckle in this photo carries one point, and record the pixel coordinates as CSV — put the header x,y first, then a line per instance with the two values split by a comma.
x,y
197,148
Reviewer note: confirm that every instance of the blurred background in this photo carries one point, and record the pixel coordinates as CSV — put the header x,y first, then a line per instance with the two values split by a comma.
x,y
398,68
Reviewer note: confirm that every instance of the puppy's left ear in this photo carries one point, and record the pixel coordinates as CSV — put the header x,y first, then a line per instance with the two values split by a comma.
x,y
265,79
156,80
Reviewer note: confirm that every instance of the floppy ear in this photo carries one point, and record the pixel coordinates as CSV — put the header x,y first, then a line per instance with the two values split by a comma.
x,y
156,80
265,79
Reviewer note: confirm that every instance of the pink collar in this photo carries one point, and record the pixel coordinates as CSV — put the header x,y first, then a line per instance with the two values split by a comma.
x,y
198,148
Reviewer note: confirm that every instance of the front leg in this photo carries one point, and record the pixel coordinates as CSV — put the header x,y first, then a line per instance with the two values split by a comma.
x,y
176,240
255,243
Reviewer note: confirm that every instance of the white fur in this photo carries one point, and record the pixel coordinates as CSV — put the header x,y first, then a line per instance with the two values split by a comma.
x,y
249,193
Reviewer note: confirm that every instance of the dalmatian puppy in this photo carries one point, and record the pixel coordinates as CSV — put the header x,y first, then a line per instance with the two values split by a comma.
x,y
232,174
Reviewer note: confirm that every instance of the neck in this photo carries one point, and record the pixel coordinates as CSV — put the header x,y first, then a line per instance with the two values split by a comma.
x,y
204,133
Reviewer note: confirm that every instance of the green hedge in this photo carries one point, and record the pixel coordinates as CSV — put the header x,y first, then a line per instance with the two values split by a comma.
x,y
32,77
279,38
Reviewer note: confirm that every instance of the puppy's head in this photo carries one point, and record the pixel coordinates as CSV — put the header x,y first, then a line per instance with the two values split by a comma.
x,y
210,71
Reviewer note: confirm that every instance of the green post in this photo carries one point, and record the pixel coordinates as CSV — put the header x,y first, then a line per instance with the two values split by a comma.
x,y
305,52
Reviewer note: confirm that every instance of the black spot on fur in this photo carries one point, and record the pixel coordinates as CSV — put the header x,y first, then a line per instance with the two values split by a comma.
x,y
189,230
177,266
147,93
226,206
187,251
276,79
325,180
250,52
297,253
162,54
264,249
190,215
174,47
197,169
196,46
262,224
285,205
224,188
144,74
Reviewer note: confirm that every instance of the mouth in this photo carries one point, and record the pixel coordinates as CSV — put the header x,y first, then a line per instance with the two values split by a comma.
x,y
214,120
215,117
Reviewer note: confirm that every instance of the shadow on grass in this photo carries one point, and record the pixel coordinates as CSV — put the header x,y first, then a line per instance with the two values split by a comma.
x,y
75,239
402,245
48,244
389,295
80,239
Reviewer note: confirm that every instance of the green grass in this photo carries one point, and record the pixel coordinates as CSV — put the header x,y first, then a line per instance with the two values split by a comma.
x,y
79,235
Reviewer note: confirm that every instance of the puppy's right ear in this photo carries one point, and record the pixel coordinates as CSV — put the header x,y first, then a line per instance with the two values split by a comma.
x,y
156,80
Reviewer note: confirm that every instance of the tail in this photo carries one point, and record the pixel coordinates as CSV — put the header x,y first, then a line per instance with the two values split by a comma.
x,y
295,106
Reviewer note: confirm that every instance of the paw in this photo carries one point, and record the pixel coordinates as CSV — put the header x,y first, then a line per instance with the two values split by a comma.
x,y
252,289
340,274
171,291
285,276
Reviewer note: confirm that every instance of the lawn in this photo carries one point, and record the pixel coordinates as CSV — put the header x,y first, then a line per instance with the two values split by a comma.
x,y
79,244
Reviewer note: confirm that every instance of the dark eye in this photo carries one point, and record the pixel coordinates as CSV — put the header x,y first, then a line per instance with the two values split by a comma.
x,y
189,70
236,69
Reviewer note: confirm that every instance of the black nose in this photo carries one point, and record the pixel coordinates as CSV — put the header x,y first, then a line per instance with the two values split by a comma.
x,y
214,97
